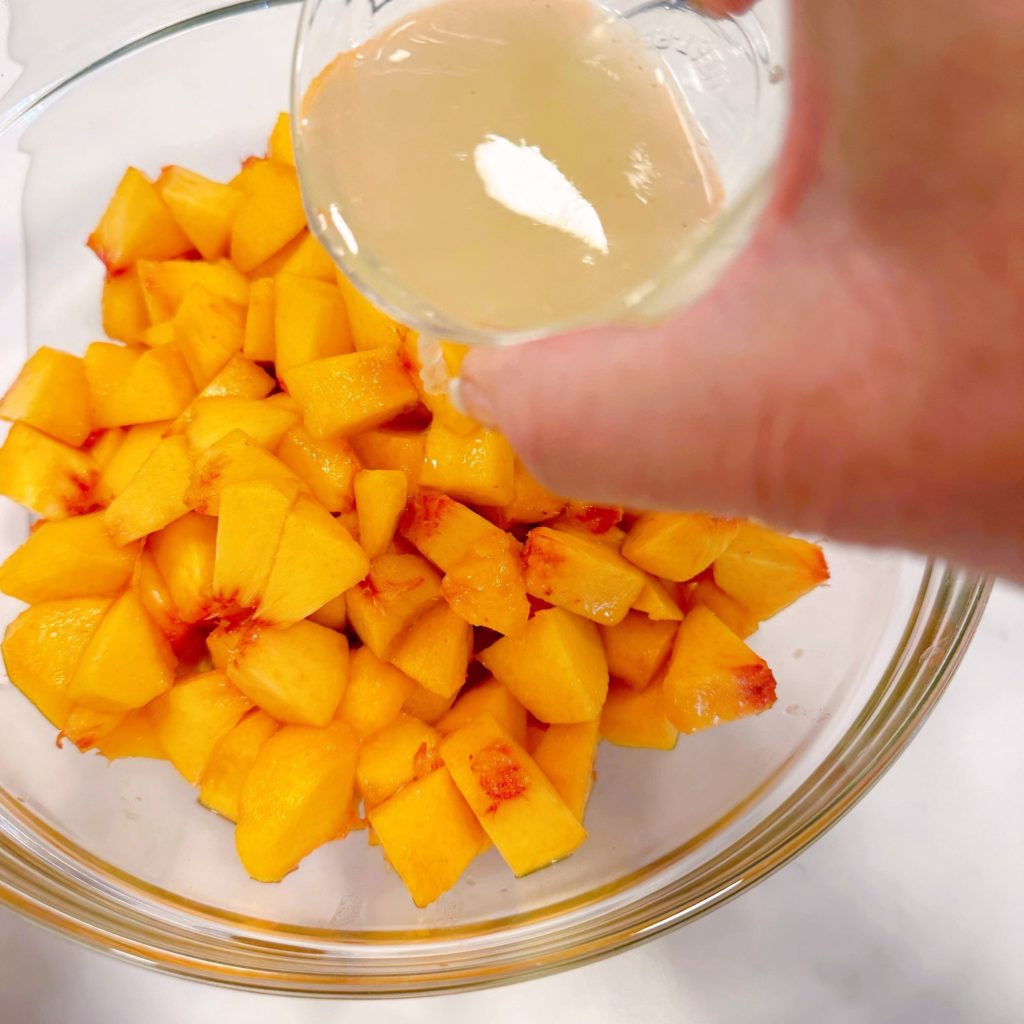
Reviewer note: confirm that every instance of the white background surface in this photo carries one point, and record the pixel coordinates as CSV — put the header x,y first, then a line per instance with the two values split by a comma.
x,y
909,910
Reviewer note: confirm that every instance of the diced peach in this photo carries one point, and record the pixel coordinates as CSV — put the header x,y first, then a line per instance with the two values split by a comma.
x,y
295,798
279,146
184,554
636,648
51,394
333,615
126,662
211,419
209,330
370,326
535,730
713,676
303,256
566,755
47,476
240,378
269,216
346,394
396,591
428,706
68,558
632,718
316,560
133,736
136,225
404,750
193,716
487,698
42,648
258,340
519,809
165,283
487,588
296,674
478,468
678,546
429,835
234,754
123,307
380,496
375,693
203,209
386,448
135,448
555,667
445,531
707,593
234,459
328,467
252,517
156,598
435,650
310,322
597,520
155,496
158,334
655,601
531,502
766,571
580,574
87,727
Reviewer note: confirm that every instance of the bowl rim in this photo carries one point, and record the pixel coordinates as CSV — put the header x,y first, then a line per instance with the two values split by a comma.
x,y
169,935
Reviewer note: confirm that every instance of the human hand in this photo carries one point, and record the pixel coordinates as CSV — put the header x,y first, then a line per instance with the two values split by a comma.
x,y
859,371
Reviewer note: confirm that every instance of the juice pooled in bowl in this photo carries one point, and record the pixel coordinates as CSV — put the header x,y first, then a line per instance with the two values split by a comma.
x,y
489,169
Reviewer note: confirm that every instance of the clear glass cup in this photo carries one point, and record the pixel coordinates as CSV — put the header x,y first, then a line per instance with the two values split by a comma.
x,y
731,74
122,858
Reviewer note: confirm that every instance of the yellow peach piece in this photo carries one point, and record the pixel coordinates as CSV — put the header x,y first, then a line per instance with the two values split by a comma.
x,y
203,209
310,322
519,809
135,448
487,588
429,835
478,467
371,327
388,448
404,750
209,330
637,647
211,419
375,693
566,755
428,706
295,798
678,546
766,571
333,615
270,214
234,754
51,393
435,650
184,553
555,667
446,531
87,727
713,676
133,736
164,284
656,602
279,146
487,698
328,467
258,341
531,502
123,307
45,475
303,256
738,618
240,378
380,496
632,718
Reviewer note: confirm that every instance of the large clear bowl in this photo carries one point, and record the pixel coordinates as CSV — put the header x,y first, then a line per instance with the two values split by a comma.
x,y
120,855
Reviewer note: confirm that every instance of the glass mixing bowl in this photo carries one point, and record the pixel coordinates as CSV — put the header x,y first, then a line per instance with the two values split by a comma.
x,y
121,857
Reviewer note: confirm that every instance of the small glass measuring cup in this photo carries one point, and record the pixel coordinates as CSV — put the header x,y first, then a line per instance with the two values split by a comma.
x,y
730,75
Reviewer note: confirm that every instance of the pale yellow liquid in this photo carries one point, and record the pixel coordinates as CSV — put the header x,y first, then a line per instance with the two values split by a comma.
x,y
504,165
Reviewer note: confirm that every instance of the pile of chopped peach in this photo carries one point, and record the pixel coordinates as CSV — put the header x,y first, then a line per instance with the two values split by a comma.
x,y
268,554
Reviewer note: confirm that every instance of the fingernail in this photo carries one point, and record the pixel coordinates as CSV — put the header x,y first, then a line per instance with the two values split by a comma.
x,y
471,400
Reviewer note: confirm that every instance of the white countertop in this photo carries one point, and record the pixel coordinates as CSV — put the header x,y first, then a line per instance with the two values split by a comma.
x,y
910,909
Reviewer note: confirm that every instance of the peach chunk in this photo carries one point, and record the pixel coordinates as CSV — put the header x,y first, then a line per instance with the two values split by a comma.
x,y
375,693
580,574
309,322
212,419
519,809
68,558
51,394
327,467
297,674
345,394
388,448
766,571
209,330
636,648
531,502
258,341
397,590
203,209
678,546
279,145
137,224
566,755
42,648
123,307
133,736
632,718
184,554
655,601
555,667
240,378
713,676
380,496
428,706
126,663
370,326
486,588
478,467
446,531
137,444
429,835
220,784
435,650
270,214
303,256
316,560
707,593
47,476
165,283
192,717
404,750
487,698
296,797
